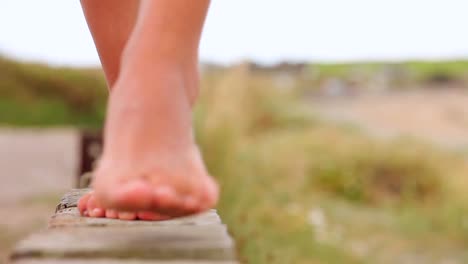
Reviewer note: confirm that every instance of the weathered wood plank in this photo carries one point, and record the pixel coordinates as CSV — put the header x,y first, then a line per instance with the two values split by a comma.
x,y
209,242
72,239
71,198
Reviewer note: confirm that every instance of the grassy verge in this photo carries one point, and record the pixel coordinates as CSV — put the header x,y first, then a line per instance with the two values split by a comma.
x,y
37,95
413,71
300,190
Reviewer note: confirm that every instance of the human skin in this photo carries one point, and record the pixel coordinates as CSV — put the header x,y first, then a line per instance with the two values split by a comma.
x,y
151,167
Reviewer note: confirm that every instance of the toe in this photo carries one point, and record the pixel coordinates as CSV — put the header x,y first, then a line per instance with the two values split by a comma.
x,y
97,212
151,216
83,202
110,213
93,209
127,215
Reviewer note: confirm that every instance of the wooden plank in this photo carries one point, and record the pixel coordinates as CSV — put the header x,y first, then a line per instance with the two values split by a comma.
x,y
72,239
70,199
210,242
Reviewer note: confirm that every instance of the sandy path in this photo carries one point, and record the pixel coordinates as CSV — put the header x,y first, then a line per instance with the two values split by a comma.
x,y
36,166
437,115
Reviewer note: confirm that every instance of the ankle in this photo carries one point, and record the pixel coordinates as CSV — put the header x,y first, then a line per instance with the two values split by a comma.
x,y
143,76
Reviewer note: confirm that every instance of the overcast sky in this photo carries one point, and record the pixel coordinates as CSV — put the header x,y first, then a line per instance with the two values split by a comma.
x,y
54,31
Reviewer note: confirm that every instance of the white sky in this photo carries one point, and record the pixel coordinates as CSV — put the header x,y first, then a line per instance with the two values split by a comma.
x,y
54,31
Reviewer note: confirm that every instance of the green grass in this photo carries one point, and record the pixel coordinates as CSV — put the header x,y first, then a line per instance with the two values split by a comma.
x,y
295,188
47,112
38,95
401,74
456,68
450,70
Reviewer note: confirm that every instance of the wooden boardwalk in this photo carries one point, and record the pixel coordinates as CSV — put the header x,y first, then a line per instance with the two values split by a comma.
x,y
72,239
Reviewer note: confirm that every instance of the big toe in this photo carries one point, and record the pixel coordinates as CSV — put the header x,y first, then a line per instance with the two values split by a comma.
x,y
127,216
94,209
83,204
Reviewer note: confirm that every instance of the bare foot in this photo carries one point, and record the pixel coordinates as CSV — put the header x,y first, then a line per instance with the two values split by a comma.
x,y
151,165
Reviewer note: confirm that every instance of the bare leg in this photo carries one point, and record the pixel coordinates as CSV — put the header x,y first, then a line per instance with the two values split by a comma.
x,y
150,160
111,23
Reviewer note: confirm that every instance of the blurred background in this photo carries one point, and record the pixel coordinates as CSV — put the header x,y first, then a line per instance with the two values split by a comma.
x,y
337,129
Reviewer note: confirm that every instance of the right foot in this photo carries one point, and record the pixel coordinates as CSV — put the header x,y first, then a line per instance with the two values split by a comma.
x,y
150,162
